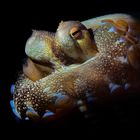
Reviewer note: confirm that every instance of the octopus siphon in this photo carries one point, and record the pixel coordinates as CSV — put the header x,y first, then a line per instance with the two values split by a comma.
x,y
95,58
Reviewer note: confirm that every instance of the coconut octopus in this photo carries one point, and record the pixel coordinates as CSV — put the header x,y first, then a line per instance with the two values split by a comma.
x,y
90,59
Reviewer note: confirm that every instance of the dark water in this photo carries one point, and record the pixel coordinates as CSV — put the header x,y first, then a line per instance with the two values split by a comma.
x,y
118,115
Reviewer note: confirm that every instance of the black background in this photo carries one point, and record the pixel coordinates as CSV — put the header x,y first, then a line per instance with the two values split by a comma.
x,y
18,19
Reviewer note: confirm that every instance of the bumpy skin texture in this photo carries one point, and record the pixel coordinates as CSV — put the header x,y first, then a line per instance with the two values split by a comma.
x,y
75,63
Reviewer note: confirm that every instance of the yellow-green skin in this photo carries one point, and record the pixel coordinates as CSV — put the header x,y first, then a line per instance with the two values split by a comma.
x,y
109,69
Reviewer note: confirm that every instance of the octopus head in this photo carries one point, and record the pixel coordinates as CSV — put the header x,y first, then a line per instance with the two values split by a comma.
x,y
76,40
72,41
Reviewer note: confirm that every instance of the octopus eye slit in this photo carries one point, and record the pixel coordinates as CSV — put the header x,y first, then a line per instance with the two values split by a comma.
x,y
74,33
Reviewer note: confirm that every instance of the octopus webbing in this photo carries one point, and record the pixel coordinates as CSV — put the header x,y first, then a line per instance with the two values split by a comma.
x,y
94,58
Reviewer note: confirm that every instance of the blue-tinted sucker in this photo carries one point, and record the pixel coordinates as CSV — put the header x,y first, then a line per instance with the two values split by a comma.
x,y
99,56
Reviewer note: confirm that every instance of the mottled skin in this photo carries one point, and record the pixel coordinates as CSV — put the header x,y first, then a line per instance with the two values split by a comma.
x,y
75,63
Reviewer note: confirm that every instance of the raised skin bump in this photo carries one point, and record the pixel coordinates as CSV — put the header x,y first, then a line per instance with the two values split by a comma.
x,y
113,64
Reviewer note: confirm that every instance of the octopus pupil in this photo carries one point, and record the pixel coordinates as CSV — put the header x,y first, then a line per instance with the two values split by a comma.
x,y
75,32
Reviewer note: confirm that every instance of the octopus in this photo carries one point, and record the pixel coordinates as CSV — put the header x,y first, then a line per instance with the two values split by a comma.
x,y
92,59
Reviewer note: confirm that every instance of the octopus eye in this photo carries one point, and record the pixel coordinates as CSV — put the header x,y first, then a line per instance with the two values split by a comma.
x,y
76,33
